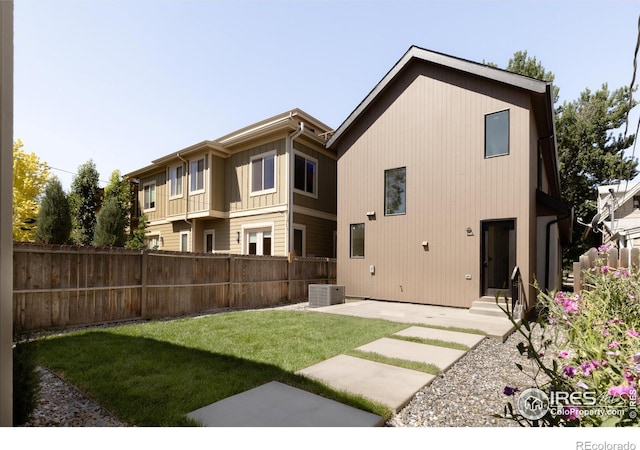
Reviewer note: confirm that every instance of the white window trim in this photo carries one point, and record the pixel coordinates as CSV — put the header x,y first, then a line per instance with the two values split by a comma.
x,y
148,236
204,175
302,228
188,234
172,170
275,174
213,240
313,194
246,229
144,187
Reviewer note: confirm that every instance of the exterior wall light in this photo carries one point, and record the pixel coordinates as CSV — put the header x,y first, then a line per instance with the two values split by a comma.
x,y
469,231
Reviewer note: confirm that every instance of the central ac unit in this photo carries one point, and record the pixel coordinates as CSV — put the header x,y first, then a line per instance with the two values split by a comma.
x,y
325,295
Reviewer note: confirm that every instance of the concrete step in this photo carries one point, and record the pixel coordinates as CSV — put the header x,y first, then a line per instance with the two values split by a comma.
x,y
487,311
487,306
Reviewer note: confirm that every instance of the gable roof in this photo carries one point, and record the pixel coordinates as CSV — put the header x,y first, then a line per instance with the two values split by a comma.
x,y
451,62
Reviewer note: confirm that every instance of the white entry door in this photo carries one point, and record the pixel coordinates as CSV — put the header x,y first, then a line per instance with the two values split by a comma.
x,y
258,242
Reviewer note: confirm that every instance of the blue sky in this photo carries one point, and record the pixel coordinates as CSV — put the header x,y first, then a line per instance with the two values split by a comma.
x,y
125,82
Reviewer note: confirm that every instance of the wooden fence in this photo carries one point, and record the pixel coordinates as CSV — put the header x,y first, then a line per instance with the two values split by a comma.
x,y
623,258
62,286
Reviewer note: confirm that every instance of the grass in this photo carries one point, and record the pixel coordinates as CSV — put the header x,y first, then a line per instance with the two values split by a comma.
x,y
436,342
153,374
413,365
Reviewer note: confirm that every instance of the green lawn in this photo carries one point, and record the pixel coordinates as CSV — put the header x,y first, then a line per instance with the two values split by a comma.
x,y
153,374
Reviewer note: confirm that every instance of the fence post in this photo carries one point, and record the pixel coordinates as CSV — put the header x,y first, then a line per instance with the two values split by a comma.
x,y
612,258
577,277
291,261
624,257
143,287
635,259
231,278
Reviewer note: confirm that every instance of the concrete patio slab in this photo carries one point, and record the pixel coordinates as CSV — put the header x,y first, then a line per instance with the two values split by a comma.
x,y
441,357
495,327
279,405
392,386
468,339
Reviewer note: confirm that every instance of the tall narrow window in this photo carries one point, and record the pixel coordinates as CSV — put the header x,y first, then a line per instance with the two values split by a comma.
x,y
209,241
357,240
298,241
197,176
175,180
149,196
184,241
263,174
305,174
395,197
496,134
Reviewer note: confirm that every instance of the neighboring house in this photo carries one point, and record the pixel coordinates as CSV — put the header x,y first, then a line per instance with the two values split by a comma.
x,y
447,180
266,189
618,216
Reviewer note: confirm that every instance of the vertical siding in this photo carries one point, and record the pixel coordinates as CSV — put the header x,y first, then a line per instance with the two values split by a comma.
x,y
318,235
162,195
238,185
432,123
327,182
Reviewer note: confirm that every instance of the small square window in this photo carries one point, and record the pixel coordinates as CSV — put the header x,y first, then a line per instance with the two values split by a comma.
x,y
496,134
356,238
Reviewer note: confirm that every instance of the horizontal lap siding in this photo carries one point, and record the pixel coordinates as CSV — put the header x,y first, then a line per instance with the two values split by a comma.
x,y
432,123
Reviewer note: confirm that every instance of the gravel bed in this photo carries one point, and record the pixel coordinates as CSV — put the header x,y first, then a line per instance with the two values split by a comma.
x,y
467,395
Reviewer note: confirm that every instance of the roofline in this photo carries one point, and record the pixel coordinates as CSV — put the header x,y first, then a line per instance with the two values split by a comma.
x,y
628,195
463,65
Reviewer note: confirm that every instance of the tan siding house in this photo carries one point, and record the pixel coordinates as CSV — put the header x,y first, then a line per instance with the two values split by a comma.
x,y
447,180
246,192
618,216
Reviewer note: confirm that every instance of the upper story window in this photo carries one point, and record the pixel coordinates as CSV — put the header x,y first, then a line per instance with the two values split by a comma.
x,y
263,173
196,175
149,196
175,180
306,175
395,191
496,134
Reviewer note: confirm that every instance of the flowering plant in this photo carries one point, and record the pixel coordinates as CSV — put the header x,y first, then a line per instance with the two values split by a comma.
x,y
587,347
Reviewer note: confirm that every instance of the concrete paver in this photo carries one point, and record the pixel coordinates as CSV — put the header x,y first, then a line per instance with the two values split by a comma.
x,y
390,385
441,357
468,339
279,405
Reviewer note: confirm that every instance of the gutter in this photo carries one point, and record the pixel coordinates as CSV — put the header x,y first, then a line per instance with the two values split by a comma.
x,y
548,242
290,138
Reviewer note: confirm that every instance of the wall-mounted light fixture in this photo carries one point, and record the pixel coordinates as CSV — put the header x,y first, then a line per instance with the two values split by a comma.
x,y
371,215
469,231
238,236
425,246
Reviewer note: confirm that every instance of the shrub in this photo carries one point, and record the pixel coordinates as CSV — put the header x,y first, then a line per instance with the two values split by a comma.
x,y
26,383
587,354
54,217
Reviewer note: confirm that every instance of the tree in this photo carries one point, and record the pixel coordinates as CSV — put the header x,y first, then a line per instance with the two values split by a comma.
x,y
110,225
120,189
30,176
54,218
85,201
138,235
589,152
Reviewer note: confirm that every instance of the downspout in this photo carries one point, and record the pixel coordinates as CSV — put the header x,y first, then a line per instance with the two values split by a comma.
x,y
186,197
291,157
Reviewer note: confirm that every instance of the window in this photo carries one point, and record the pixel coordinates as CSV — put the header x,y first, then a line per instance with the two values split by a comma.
x,y
305,174
395,199
259,242
496,134
149,196
175,180
184,241
209,241
636,201
263,174
298,240
357,240
153,242
196,174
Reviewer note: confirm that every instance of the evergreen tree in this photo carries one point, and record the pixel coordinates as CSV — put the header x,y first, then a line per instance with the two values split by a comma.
x,y
85,201
138,235
54,216
110,225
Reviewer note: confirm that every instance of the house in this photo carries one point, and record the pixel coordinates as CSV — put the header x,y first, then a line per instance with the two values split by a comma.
x,y
618,216
266,189
447,181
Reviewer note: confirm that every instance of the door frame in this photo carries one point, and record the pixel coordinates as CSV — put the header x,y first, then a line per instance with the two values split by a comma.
x,y
485,290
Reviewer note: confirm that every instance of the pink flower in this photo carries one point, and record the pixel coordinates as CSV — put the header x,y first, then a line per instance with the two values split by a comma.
x,y
620,391
588,367
603,248
569,371
633,333
606,269
613,344
563,354
571,412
